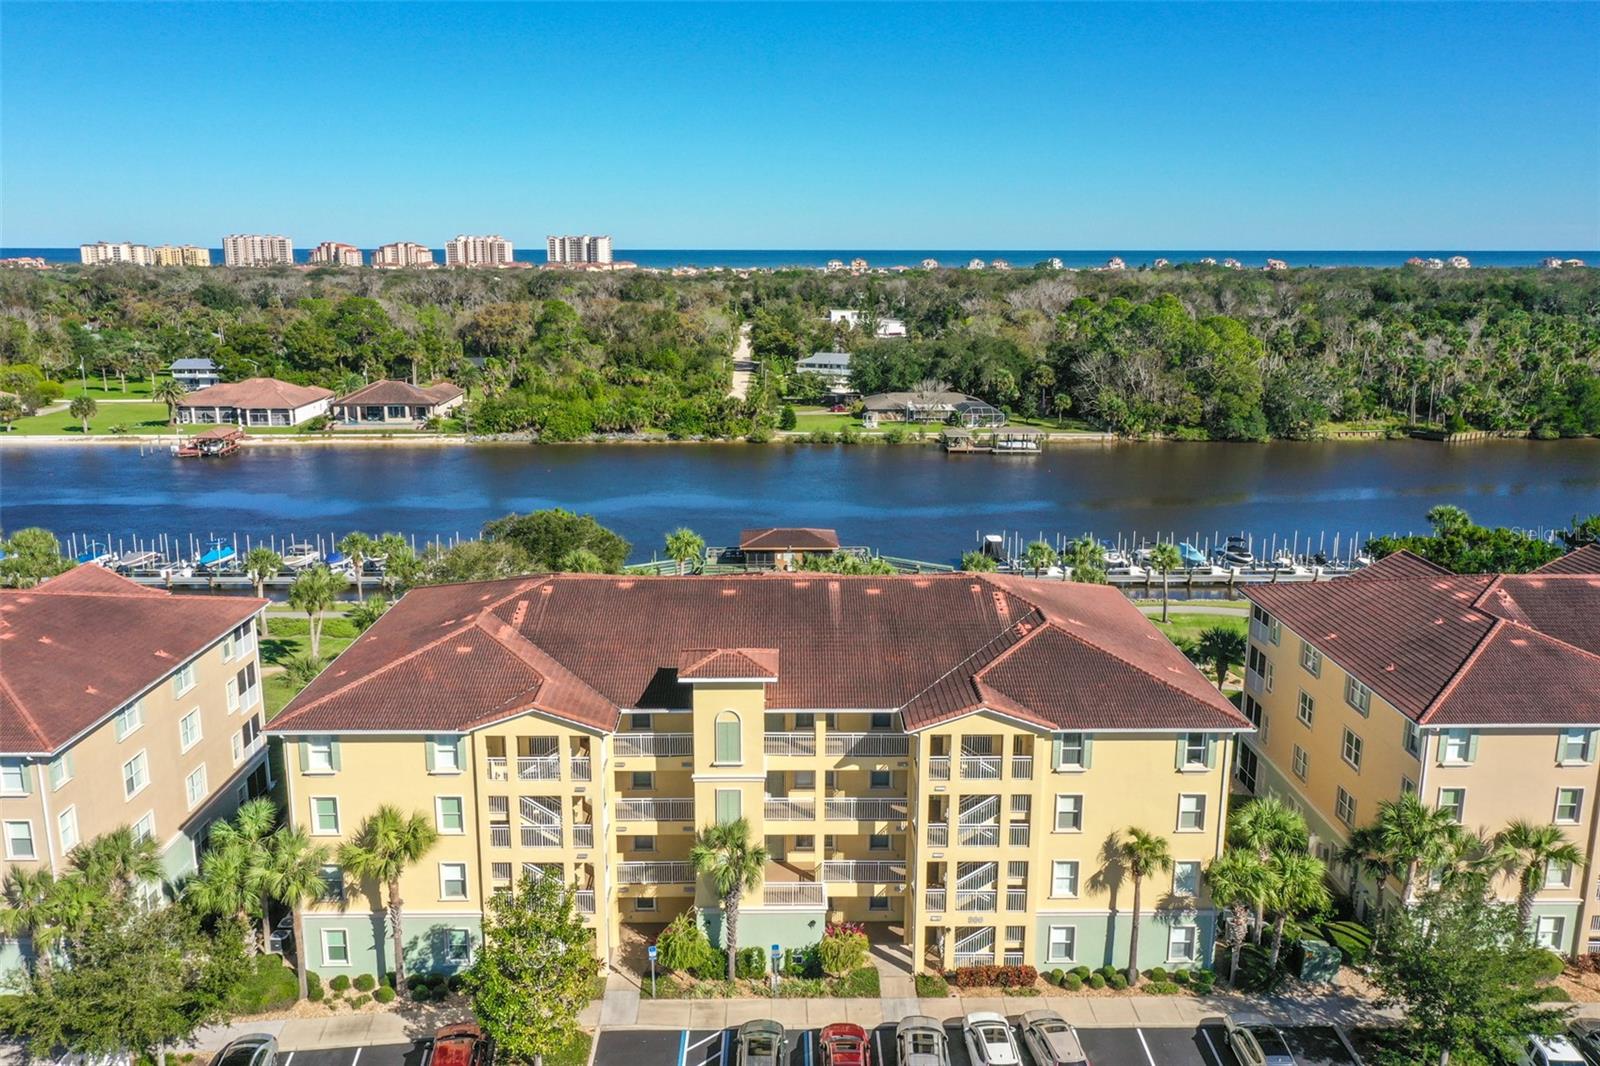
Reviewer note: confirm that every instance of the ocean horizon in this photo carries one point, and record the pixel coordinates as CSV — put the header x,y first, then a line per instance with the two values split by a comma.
x,y
816,258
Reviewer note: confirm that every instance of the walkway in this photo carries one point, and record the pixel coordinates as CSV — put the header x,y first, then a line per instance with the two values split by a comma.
x,y
744,366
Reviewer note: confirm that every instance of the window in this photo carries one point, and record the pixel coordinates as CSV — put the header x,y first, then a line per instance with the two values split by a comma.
x,y
13,777
641,722
1569,805
1186,879
1307,710
332,882
1352,749
1453,801
319,758
728,748
1457,746
1196,753
882,720
1558,875
1069,814
805,720
878,903
1358,696
1577,746
880,779
644,781
1256,662
324,816
1345,807
1549,932
1408,787
444,755
644,903
1071,751
452,880
878,842
460,945
145,828
128,719
729,805
67,829
644,843
335,947
805,780
61,770
1063,945
1300,762
1181,943
1191,813
194,787
135,775
1064,878
448,815
183,680
830,778
19,840
1413,739
1310,659
805,842
189,730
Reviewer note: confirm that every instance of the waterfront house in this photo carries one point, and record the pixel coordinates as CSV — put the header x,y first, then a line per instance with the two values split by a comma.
x,y
397,402
123,706
255,402
931,406
1479,693
834,367
942,757
930,264
782,548
195,373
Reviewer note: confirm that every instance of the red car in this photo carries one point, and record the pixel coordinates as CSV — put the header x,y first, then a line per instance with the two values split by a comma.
x,y
844,1044
462,1044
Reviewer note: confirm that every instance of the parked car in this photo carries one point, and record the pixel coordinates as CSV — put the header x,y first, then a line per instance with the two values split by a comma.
x,y
1258,1043
1584,1034
1548,1051
251,1049
462,1044
760,1043
989,1039
844,1044
921,1041
1051,1041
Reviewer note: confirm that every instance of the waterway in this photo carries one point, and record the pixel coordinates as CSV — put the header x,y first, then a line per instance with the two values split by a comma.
x,y
908,501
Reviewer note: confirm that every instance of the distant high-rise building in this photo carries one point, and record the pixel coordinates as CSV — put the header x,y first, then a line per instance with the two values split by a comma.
x,y
402,254
491,251
181,255
115,252
333,253
254,249
578,249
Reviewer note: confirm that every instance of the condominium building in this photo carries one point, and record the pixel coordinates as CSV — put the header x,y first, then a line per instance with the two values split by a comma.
x,y
573,250
464,251
333,253
255,250
402,254
1478,693
123,706
943,757
102,252
181,255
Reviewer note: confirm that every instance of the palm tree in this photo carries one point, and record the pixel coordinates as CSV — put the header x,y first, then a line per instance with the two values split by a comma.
x,y
1525,850
388,842
261,562
83,408
316,590
1165,558
358,548
1267,826
249,834
735,863
1222,647
1413,837
978,562
292,875
1142,854
1299,884
113,863
1239,881
1039,556
1088,561
30,911
223,887
169,391
684,546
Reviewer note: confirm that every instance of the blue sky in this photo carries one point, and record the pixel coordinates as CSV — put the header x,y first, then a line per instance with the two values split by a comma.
x,y
810,126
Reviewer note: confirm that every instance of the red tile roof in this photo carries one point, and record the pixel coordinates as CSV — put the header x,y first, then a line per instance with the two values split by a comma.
x,y
82,645
1584,560
398,392
782,538
582,647
253,393
1398,564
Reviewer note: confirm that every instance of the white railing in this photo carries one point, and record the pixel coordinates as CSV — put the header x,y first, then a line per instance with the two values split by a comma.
x,y
785,810
1260,633
866,810
1022,766
1013,958
655,810
975,958
938,835
539,768
978,836
868,744
583,835
934,899
794,894
939,768
580,768
495,766
983,767
500,836
1019,834
789,743
980,899
585,899
1253,683
655,873
1016,899
541,836
654,743
864,871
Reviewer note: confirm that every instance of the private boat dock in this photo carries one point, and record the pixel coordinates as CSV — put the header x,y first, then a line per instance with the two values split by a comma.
x,y
212,444
1004,441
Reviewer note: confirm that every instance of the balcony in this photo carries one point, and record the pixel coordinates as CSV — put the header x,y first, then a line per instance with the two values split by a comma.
x,y
585,900
939,768
1253,683
655,873
933,899
859,744
787,810
655,810
789,743
975,958
866,810
1022,767
1016,899
864,871
499,836
1013,958
654,744
975,899
580,768
495,767
794,894
541,836
583,835
1019,834
978,836
539,768
938,835
981,767
1260,633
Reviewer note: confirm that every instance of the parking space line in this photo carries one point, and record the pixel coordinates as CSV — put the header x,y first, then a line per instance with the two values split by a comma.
x,y
683,1047
808,1047
357,1058
877,1045
289,1059
697,1043
725,1049
1212,1047
1151,1058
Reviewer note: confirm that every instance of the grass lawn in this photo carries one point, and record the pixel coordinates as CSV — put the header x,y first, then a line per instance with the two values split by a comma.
x,y
820,420
143,417
1190,625
138,388
575,1053
290,639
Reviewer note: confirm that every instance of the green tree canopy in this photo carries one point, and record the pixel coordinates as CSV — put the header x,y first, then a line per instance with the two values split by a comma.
x,y
547,537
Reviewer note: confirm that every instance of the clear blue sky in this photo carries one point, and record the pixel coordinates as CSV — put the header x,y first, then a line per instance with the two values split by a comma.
x,y
811,126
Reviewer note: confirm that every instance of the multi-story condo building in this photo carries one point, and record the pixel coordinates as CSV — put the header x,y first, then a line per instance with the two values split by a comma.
x,y
102,252
1478,693
944,757
123,706
254,250
578,249
333,253
184,255
464,251
402,254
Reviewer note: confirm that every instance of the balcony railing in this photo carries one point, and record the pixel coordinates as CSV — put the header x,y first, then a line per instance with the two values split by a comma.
x,y
1022,767
1016,899
499,836
787,810
580,768
978,836
585,900
583,835
794,894
789,743
655,810
975,899
864,871
495,765
934,899
975,958
866,810
654,743
1019,833
1259,633
868,744
541,836
539,768
655,873
982,767
1253,683
1013,958
938,835
939,768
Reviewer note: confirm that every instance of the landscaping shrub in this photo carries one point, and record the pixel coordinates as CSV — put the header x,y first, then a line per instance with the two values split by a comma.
x,y
993,976
1161,988
384,994
1202,980
860,983
365,982
682,945
1353,940
802,962
1181,976
843,949
1554,994
1072,982
1118,981
359,1001
1108,971
269,985
420,992
1550,966
1082,972
752,964
453,982
714,966
1097,980
1156,973
341,983
1056,975
436,981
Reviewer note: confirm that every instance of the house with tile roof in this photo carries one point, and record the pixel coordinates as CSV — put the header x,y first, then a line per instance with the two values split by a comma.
x,y
397,403
254,402
942,757
1480,693
122,705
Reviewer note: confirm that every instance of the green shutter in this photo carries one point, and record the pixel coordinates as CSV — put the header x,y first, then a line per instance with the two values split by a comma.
x,y
302,746
1055,751
428,753
27,778
461,753
333,747
1472,746
1183,744
1088,750
1211,752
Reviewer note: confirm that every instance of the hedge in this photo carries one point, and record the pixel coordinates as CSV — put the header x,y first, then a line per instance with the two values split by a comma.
x,y
993,976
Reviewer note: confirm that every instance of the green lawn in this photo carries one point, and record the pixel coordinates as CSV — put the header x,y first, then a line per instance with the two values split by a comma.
x,y
141,418
290,639
139,388
820,420
1190,625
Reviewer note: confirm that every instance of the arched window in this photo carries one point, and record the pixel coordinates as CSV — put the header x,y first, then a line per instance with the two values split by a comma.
x,y
729,748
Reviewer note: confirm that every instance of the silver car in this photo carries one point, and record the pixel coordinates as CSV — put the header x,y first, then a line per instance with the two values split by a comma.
x,y
760,1043
252,1049
989,1039
1051,1041
921,1041
1258,1043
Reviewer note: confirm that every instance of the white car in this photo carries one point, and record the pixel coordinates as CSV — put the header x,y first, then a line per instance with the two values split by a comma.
x,y
989,1039
1548,1051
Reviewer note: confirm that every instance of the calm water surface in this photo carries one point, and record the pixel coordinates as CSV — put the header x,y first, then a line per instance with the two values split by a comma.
x,y
908,501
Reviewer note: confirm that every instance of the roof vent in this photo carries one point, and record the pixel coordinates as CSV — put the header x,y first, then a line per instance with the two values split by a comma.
x,y
1001,607
626,584
730,592
547,589
920,583
871,590
1521,642
463,649
801,584
519,614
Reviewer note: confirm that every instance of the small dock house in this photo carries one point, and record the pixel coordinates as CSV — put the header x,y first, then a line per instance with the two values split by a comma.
x,y
784,548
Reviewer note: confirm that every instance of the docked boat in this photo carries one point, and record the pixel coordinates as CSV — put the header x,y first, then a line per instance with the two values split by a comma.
x,y
96,554
300,556
1192,556
217,558
1237,552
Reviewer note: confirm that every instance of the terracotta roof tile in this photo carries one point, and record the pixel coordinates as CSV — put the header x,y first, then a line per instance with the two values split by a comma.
x,y
1502,684
1584,560
783,538
256,393
398,392
1398,564
712,664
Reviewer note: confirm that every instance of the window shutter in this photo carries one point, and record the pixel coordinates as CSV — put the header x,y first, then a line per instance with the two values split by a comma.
x,y
27,779
1088,750
1472,746
303,746
428,753
1211,752
1055,751
333,749
1183,745
1589,742
461,753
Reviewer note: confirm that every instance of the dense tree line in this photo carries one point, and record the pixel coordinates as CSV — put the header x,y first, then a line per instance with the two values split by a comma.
x,y
1193,351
